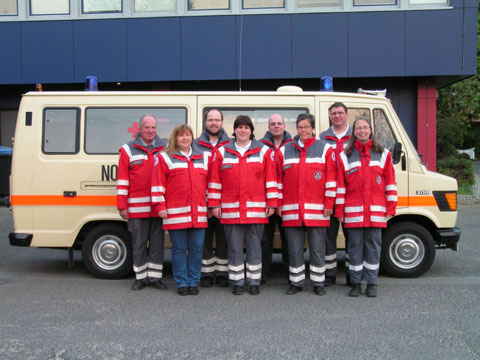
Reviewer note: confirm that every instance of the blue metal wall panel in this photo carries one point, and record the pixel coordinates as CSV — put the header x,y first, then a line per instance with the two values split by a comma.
x,y
470,55
376,43
100,50
47,52
319,45
208,48
11,58
434,42
153,49
266,50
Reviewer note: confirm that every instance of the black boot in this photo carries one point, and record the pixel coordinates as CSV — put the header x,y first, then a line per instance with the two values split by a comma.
x,y
356,290
371,290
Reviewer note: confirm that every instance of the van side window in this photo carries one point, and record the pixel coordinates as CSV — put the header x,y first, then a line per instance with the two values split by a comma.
x,y
382,128
260,118
61,131
107,129
355,113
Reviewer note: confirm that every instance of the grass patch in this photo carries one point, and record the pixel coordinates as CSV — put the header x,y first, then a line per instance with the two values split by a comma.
x,y
465,190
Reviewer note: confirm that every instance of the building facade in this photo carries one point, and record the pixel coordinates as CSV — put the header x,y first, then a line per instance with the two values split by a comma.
x,y
409,47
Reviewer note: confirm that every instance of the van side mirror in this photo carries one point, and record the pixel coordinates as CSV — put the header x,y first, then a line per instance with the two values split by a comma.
x,y
397,152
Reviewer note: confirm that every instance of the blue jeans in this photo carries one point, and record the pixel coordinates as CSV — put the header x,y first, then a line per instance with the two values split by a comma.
x,y
187,250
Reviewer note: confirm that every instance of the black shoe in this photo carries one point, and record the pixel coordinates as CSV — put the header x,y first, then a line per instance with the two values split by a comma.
x,y
254,290
206,281
138,285
356,290
292,289
182,291
237,290
371,291
158,285
192,290
222,281
319,290
330,280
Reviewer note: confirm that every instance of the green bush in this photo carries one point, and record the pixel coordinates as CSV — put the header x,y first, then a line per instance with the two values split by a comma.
x,y
459,168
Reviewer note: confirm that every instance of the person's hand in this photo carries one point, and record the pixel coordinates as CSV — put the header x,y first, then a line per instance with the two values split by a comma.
x,y
162,214
217,212
270,211
389,217
327,212
341,219
279,211
124,214
209,213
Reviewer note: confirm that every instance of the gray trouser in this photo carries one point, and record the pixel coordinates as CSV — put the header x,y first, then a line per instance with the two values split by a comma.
x,y
148,245
364,246
215,264
316,237
331,248
251,235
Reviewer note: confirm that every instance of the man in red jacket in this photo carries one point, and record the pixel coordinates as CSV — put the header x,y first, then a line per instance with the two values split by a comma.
x,y
134,204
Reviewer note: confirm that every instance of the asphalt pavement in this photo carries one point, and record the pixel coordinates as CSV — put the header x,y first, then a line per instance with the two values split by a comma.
x,y
48,311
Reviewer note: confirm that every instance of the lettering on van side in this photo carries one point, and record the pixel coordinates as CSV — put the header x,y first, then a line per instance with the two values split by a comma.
x,y
109,172
422,192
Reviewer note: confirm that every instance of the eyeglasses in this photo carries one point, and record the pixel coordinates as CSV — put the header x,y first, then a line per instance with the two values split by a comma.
x,y
337,113
362,128
304,127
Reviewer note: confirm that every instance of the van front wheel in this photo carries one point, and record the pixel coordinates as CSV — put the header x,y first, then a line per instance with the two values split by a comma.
x,y
408,250
107,251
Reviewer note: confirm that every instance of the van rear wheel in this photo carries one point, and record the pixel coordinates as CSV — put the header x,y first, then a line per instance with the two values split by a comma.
x,y
107,251
408,250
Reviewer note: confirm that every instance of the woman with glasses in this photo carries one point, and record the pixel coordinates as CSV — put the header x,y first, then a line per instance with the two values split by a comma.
x,y
308,175
367,199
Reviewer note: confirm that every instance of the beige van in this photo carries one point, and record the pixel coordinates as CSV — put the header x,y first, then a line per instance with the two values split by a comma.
x,y
65,156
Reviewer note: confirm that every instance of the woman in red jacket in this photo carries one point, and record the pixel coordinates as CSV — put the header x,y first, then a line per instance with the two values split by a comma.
x,y
243,193
179,188
366,200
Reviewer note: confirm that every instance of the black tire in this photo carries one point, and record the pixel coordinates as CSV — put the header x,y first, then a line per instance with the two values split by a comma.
x,y
408,250
107,251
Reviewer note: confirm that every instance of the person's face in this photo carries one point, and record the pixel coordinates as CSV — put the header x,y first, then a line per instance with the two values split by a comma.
x,y
184,140
148,129
304,130
276,126
338,116
213,122
242,133
362,131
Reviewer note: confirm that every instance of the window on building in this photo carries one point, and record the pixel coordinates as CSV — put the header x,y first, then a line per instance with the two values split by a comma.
x,y
260,118
374,2
318,3
8,7
426,2
208,4
101,6
155,5
51,7
107,129
257,4
61,131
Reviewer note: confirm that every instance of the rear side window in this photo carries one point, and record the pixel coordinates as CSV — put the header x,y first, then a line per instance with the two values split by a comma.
x,y
61,130
383,131
260,118
107,129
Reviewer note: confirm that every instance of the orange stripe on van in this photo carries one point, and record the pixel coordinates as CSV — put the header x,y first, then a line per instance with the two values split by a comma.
x,y
60,200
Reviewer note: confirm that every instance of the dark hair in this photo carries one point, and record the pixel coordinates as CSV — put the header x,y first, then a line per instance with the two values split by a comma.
x,y
208,111
337,104
351,143
305,116
243,120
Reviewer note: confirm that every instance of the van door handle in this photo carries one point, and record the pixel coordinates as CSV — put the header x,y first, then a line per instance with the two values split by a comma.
x,y
69,193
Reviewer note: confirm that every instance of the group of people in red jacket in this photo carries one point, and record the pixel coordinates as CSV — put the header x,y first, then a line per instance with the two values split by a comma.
x,y
240,188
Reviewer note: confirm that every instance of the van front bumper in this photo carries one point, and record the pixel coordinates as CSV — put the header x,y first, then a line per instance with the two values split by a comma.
x,y
449,237
20,239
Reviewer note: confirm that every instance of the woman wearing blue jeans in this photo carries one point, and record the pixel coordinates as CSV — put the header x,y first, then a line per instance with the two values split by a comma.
x,y
179,184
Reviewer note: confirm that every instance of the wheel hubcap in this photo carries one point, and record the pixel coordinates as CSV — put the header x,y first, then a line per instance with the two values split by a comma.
x,y
407,251
109,252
